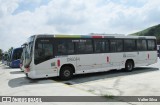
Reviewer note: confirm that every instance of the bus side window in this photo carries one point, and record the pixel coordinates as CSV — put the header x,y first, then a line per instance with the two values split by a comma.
x,y
142,45
70,47
119,45
129,45
65,47
99,46
61,47
113,45
107,46
116,45
85,47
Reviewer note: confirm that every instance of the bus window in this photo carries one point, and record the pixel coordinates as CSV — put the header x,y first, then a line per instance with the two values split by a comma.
x,y
70,47
61,47
116,45
17,54
113,45
65,47
43,52
119,45
141,45
129,45
99,46
85,46
107,46
151,45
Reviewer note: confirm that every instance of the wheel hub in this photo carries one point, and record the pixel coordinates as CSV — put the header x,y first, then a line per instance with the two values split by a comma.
x,y
66,73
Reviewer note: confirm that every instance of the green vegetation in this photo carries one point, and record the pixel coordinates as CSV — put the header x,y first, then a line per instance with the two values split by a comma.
x,y
152,31
1,54
10,49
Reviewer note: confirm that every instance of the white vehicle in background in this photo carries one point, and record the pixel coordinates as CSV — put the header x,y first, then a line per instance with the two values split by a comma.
x,y
158,50
22,60
68,55
4,58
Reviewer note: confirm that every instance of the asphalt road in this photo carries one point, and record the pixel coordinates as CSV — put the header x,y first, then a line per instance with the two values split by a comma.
x,y
143,81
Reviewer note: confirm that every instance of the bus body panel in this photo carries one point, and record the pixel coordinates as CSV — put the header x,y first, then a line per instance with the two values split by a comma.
x,y
151,57
45,69
92,63
15,63
142,58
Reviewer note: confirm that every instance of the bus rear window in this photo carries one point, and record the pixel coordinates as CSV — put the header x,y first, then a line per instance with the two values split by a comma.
x,y
151,45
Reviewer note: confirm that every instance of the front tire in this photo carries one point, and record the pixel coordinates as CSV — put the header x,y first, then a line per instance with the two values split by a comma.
x,y
129,66
66,73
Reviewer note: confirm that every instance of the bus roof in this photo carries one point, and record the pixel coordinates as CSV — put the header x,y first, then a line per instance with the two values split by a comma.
x,y
17,48
96,36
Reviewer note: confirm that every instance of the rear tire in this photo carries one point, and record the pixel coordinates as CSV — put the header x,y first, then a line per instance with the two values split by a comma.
x,y
129,66
66,73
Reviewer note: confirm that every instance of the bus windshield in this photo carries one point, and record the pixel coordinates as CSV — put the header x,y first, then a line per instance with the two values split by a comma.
x,y
17,54
9,59
5,57
28,51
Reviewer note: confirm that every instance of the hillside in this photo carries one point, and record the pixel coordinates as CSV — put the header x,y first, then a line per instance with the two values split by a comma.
x,y
152,31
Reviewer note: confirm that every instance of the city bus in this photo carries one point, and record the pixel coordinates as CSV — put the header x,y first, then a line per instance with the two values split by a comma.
x,y
158,51
14,59
68,55
9,57
22,60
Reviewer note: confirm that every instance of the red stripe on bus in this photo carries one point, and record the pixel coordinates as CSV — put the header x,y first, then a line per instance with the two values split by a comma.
x,y
58,63
96,36
107,59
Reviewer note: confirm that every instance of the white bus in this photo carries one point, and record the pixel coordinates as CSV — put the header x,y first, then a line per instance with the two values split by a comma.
x,y
158,51
68,55
22,60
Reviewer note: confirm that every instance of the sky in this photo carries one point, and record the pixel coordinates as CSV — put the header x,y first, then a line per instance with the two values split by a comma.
x,y
19,19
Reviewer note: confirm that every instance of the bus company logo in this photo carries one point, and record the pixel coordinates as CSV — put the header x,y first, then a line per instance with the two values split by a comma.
x,y
6,99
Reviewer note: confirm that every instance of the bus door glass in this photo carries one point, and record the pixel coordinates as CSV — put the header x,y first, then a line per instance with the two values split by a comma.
x,y
43,55
141,54
116,55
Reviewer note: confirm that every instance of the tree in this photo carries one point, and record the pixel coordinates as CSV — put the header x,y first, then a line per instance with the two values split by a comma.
x,y
1,54
10,49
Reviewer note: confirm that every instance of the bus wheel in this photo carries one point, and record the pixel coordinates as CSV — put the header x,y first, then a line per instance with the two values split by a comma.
x,y
129,66
66,73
